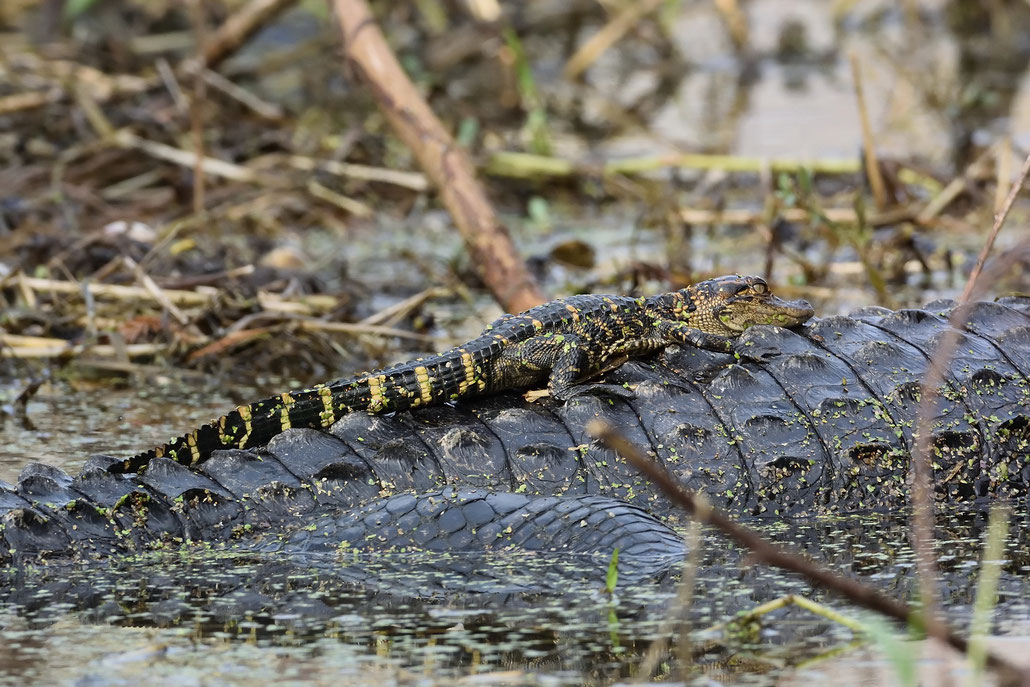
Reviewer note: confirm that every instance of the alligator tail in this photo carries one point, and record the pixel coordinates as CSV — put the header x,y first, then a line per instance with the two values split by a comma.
x,y
405,386
256,423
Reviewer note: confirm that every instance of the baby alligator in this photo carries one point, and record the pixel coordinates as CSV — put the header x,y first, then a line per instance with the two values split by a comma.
x,y
564,342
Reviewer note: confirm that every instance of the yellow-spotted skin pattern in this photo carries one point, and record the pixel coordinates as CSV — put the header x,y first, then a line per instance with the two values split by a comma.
x,y
562,343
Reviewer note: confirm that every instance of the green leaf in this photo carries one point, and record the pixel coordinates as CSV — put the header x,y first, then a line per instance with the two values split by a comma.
x,y
468,129
612,578
539,212
900,653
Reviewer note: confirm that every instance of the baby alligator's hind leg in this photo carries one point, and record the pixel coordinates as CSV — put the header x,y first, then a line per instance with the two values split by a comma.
x,y
571,366
559,359
574,366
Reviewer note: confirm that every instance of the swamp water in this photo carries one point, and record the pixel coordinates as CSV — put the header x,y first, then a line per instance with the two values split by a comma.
x,y
213,616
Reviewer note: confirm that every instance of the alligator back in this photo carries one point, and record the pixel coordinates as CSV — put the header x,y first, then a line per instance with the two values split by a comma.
x,y
821,419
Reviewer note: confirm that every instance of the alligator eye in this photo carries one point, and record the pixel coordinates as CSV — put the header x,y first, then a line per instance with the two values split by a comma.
x,y
760,287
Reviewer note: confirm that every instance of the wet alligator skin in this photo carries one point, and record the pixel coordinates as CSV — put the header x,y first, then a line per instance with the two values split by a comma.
x,y
807,421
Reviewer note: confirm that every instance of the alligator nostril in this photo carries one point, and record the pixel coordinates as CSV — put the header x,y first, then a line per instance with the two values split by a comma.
x,y
804,308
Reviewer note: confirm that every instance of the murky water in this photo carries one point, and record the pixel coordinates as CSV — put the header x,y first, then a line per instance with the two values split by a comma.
x,y
195,616
65,423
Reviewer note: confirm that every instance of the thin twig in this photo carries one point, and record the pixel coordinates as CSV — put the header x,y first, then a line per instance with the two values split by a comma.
x,y
735,19
127,187
1003,172
116,291
154,290
922,477
171,82
13,346
270,111
205,279
190,160
999,219
625,19
518,165
414,181
231,339
304,304
781,557
239,27
443,160
198,17
956,186
872,166
782,602
357,328
16,102
745,217
345,203
393,313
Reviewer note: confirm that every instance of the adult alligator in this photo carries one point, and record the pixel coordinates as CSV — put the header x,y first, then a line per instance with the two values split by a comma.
x,y
790,422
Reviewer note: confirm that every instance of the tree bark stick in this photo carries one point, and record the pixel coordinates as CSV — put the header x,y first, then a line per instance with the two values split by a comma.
x,y
443,161
227,39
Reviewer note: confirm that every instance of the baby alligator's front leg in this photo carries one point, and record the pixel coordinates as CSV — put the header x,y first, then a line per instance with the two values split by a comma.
x,y
672,332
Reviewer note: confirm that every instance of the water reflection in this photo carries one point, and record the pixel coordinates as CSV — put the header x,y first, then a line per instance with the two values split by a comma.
x,y
464,613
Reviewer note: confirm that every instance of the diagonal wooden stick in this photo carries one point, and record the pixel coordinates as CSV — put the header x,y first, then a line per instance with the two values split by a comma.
x,y
443,161
781,557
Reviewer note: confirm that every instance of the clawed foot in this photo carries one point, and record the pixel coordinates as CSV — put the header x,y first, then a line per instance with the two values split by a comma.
x,y
535,395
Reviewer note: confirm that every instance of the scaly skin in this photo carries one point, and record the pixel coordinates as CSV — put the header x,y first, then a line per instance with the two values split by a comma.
x,y
565,342
794,423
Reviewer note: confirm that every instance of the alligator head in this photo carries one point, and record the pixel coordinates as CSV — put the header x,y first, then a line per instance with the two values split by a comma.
x,y
726,306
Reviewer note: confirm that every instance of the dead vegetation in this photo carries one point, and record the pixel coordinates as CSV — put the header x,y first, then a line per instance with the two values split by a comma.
x,y
166,164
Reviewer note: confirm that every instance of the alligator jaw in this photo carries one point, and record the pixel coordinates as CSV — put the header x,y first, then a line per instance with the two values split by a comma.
x,y
772,311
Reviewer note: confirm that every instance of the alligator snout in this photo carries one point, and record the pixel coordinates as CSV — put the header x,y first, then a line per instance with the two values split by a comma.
x,y
801,310
777,312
